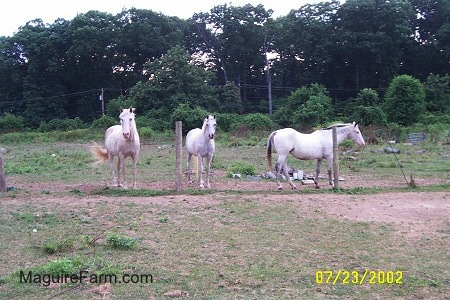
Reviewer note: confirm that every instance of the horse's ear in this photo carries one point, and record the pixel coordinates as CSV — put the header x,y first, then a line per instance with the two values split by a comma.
x,y
214,116
355,124
121,109
133,109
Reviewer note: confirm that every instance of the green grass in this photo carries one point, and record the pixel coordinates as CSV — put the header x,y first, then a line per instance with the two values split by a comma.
x,y
222,243
238,247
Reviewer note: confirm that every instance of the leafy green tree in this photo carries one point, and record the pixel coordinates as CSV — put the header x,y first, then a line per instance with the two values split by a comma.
x,y
12,71
142,35
370,36
233,38
229,98
306,107
304,42
173,79
365,108
437,93
404,101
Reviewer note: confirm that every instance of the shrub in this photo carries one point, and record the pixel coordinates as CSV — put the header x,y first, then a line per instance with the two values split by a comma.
x,y
61,125
256,121
145,132
104,122
227,121
241,168
10,122
191,117
404,100
113,107
156,119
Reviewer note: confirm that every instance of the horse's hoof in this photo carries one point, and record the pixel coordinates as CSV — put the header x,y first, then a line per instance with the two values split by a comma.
x,y
208,186
294,188
317,187
280,188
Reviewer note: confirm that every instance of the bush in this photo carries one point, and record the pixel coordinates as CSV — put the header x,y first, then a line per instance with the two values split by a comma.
x,y
10,122
113,107
227,121
145,132
241,168
369,115
191,117
61,125
104,122
404,100
256,121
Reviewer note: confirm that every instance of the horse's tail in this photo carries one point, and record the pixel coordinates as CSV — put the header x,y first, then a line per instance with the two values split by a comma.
x,y
269,149
99,153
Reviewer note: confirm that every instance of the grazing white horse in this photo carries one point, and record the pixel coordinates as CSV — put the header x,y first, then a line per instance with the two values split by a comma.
x,y
122,141
317,145
200,143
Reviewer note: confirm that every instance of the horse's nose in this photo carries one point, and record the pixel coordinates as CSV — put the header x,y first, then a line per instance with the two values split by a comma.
x,y
211,136
126,135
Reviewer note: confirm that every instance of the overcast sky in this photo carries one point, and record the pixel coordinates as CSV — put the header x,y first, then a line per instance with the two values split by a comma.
x,y
14,13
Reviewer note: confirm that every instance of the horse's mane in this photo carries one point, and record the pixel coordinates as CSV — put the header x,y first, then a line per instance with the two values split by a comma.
x,y
337,125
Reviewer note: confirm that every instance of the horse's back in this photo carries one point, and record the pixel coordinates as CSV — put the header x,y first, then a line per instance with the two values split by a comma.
x,y
300,145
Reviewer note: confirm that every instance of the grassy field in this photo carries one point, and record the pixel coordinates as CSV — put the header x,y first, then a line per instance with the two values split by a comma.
x,y
240,240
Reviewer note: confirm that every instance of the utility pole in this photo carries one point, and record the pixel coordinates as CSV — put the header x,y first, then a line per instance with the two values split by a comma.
x,y
269,77
102,98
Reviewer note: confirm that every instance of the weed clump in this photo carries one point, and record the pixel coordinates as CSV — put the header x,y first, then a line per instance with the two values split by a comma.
x,y
119,241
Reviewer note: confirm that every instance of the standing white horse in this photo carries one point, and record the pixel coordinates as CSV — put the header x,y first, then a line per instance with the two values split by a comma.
x,y
317,145
122,141
200,143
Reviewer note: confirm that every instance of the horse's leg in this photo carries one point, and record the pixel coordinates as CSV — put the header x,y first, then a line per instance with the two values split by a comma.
x,y
121,167
189,158
286,174
200,171
134,158
329,166
316,178
111,166
208,168
278,167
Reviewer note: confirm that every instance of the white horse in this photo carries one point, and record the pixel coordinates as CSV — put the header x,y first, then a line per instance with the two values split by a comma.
x,y
200,143
122,141
317,145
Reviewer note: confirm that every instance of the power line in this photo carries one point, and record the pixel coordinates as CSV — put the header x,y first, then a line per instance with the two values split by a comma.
x,y
52,97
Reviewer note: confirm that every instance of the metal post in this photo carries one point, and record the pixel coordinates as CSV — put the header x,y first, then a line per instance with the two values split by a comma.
x,y
179,154
335,158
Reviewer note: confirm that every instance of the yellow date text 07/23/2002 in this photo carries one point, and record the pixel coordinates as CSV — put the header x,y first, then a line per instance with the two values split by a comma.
x,y
358,277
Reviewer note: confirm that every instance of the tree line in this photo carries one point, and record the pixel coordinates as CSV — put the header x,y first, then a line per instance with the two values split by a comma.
x,y
349,60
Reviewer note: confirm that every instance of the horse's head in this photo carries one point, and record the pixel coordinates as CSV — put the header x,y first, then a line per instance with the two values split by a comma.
x,y
209,126
127,122
355,135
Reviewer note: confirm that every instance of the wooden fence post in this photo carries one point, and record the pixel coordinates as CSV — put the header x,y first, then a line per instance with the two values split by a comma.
x,y
2,177
335,159
179,154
